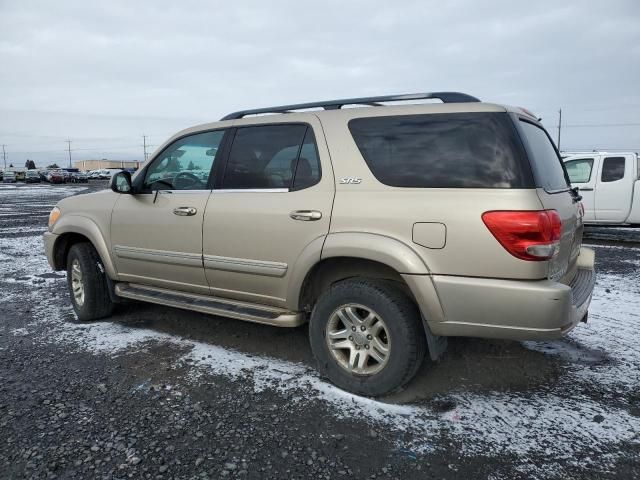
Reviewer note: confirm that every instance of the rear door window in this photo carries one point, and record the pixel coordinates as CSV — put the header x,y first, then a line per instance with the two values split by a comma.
x,y
579,170
612,169
546,163
456,150
272,157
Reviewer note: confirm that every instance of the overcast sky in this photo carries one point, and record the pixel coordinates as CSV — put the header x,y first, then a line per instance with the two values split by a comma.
x,y
104,75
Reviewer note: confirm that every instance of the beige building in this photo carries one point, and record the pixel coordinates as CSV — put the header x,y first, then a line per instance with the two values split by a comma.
x,y
104,163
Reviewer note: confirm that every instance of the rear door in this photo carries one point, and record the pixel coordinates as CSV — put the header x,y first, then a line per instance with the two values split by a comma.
x,y
583,172
272,208
614,188
555,193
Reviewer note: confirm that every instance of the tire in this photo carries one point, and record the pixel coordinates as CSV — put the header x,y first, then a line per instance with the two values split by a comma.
x,y
94,303
401,320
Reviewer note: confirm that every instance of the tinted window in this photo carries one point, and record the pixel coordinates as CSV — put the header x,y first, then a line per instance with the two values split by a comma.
x,y
269,156
545,161
308,168
612,169
186,164
579,170
473,150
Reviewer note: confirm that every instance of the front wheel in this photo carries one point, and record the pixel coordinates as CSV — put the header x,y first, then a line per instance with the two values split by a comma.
x,y
87,282
367,337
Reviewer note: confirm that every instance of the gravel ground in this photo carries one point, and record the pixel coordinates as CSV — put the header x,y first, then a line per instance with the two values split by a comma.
x,y
162,393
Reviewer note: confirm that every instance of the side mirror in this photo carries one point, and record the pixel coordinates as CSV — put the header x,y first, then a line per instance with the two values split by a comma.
x,y
121,182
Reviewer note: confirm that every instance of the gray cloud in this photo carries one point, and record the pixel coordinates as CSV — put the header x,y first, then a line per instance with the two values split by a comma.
x,y
102,75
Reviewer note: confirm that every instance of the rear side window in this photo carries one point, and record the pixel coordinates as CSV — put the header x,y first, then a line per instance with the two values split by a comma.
x,y
545,161
579,170
456,150
612,169
272,156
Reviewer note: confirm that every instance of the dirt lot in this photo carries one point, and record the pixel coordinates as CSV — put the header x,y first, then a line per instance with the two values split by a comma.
x,y
156,392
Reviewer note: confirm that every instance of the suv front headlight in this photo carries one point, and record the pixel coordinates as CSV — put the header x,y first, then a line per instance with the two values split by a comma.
x,y
53,217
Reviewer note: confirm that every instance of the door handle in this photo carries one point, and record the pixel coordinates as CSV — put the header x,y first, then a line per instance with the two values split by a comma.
x,y
185,211
306,215
585,189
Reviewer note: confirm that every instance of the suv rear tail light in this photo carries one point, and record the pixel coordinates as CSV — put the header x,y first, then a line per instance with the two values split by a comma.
x,y
528,235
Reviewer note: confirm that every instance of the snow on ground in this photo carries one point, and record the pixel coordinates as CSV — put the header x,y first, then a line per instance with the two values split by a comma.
x,y
522,423
555,421
42,190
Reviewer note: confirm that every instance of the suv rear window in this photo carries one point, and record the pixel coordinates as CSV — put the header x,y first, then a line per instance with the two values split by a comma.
x,y
546,163
454,150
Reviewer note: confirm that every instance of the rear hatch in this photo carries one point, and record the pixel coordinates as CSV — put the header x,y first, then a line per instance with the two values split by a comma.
x,y
555,194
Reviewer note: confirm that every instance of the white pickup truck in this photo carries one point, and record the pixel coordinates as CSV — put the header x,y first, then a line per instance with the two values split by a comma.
x,y
609,184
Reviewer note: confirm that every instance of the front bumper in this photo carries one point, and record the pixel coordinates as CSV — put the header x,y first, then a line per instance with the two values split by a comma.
x,y
513,309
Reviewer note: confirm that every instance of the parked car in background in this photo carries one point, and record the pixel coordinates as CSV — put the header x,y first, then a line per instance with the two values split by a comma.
x,y
43,175
1,175
55,176
9,177
388,228
75,175
32,176
20,175
100,174
609,184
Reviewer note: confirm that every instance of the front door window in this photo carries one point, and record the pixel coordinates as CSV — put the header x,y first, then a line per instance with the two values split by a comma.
x,y
186,164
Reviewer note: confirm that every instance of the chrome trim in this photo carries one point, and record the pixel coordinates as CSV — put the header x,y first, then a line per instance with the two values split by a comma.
x,y
245,265
306,215
251,190
159,256
191,192
185,211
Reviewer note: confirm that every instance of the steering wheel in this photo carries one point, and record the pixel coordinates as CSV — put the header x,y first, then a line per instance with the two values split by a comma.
x,y
185,180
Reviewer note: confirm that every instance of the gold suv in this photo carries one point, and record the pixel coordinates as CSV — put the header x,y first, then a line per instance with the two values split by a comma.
x,y
388,227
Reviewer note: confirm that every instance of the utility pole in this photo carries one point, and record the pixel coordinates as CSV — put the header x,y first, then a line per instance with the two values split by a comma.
x,y
4,156
559,127
144,146
69,150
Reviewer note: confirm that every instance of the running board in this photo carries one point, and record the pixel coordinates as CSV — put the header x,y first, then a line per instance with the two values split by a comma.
x,y
212,305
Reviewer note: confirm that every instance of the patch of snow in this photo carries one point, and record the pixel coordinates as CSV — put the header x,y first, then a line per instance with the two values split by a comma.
x,y
548,422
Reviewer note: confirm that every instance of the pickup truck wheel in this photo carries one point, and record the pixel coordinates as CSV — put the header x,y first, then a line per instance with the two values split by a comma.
x,y
87,283
367,337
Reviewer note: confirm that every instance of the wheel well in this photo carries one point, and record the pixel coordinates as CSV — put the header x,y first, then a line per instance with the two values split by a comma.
x,y
327,272
62,247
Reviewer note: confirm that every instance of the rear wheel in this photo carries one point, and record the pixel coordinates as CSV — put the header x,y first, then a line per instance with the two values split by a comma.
x,y
367,337
87,283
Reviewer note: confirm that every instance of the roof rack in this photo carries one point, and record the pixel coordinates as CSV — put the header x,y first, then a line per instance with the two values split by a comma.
x,y
446,97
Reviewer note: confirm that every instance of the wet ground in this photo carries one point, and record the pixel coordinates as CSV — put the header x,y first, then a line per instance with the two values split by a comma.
x,y
156,392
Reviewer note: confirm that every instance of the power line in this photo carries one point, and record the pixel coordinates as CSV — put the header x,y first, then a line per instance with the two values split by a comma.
x,y
69,149
4,156
144,145
559,126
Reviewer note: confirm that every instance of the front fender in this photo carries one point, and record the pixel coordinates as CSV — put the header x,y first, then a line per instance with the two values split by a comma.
x,y
86,227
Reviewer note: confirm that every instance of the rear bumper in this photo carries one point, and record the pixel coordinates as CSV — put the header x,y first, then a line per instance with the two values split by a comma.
x,y
513,309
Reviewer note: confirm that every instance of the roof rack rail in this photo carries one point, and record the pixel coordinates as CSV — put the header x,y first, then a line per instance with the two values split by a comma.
x,y
446,97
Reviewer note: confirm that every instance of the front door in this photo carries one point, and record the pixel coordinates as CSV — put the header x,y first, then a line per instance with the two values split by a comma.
x,y
156,234
582,174
271,209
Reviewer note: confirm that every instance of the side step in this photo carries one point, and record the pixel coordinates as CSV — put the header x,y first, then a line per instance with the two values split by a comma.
x,y
211,305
